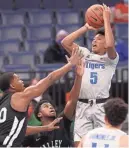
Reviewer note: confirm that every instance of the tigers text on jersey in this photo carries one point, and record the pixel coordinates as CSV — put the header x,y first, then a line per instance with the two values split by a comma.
x,y
103,138
12,124
99,70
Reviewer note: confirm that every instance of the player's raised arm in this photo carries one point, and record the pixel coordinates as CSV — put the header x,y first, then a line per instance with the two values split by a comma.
x,y
68,42
110,42
74,94
31,92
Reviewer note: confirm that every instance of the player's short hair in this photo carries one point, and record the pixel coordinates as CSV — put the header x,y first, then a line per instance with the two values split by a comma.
x,y
5,80
37,108
101,31
116,111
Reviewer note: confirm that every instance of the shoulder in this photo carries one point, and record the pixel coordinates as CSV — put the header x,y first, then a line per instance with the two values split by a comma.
x,y
84,50
124,141
113,61
95,130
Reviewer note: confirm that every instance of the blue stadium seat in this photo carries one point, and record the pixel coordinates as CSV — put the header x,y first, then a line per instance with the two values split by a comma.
x,y
122,30
37,45
13,17
27,58
56,4
84,4
10,46
49,4
2,52
6,4
46,68
40,17
122,49
39,32
61,4
20,69
89,43
68,28
1,59
90,34
12,32
68,17
27,4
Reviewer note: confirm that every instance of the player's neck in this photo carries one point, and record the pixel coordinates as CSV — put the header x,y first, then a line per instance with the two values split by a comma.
x,y
46,120
112,127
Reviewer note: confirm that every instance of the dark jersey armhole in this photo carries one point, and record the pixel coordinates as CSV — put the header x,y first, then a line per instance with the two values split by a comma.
x,y
67,122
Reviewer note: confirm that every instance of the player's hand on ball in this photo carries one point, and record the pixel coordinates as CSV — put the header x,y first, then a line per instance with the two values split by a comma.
x,y
80,67
52,126
75,57
106,12
89,27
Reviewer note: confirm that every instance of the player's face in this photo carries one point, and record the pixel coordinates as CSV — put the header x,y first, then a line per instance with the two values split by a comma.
x,y
98,44
47,110
17,84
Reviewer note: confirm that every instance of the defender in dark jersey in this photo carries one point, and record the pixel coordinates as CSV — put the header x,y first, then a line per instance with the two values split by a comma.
x,y
14,104
46,113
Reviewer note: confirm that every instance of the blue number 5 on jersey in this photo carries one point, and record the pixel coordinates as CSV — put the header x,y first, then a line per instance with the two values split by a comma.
x,y
94,145
93,77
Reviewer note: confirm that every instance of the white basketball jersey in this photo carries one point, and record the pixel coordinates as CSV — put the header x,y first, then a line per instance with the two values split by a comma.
x,y
98,74
103,138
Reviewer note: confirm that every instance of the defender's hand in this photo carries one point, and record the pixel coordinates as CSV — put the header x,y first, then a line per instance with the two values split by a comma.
x,y
75,57
80,68
52,126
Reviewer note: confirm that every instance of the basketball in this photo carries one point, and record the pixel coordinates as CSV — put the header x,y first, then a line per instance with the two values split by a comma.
x,y
94,16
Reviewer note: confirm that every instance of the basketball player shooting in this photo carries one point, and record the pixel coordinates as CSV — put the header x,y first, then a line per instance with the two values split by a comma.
x,y
100,68
16,99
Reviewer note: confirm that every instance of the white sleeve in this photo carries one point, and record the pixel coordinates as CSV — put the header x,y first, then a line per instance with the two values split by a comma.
x,y
114,61
84,50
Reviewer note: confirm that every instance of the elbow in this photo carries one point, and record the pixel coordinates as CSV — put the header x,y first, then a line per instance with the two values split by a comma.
x,y
64,42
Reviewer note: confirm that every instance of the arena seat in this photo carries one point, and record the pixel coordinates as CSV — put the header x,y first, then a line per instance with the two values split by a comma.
x,y
10,46
67,17
46,68
37,45
40,17
20,69
6,4
1,59
13,17
49,4
90,34
39,32
122,30
28,58
62,4
89,43
85,4
29,4
12,32
69,28
82,4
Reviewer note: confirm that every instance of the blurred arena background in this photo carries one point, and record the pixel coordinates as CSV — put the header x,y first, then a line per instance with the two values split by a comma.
x,y
29,27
